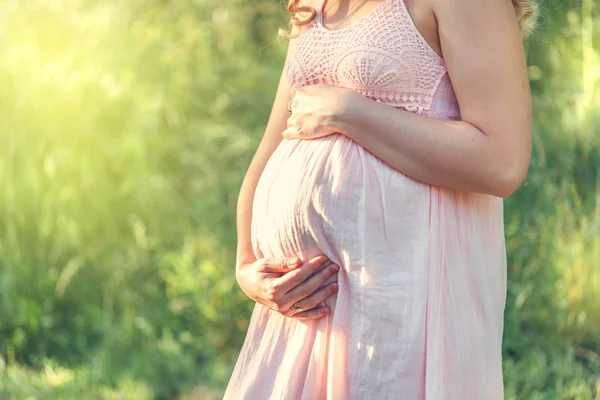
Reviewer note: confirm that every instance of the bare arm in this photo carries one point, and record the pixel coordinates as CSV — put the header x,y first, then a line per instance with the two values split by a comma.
x,y
489,150
271,139
278,283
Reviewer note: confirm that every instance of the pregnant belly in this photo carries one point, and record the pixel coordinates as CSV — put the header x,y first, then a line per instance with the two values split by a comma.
x,y
331,196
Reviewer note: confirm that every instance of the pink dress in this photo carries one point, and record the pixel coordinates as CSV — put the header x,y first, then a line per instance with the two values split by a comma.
x,y
422,284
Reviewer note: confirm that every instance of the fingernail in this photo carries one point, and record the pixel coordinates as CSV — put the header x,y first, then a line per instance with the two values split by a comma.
x,y
334,287
335,268
294,261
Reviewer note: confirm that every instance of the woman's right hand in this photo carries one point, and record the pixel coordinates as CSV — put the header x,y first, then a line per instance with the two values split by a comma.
x,y
288,286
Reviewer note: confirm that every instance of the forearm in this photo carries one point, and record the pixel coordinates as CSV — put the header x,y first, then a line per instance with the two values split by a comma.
x,y
453,154
245,253
270,141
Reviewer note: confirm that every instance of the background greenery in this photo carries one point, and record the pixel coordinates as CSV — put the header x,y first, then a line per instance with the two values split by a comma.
x,y
126,128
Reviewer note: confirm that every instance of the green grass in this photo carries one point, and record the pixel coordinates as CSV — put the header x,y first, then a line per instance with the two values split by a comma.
x,y
53,382
126,129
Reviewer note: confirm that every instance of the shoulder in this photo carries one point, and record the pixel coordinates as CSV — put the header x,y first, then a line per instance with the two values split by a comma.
x,y
479,13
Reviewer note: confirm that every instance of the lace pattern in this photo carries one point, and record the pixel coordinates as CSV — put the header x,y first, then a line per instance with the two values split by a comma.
x,y
382,56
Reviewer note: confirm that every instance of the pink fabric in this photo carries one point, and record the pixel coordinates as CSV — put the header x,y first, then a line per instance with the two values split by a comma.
x,y
419,312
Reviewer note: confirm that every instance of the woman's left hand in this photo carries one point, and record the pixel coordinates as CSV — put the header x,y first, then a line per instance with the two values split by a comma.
x,y
318,110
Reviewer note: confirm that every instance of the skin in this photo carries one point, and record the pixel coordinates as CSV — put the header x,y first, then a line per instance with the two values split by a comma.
x,y
488,151
278,283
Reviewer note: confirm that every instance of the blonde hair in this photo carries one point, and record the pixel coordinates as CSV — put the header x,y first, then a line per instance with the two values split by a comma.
x,y
526,11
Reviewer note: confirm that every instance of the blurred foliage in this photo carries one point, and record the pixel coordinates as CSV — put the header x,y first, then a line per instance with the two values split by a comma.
x,y
126,130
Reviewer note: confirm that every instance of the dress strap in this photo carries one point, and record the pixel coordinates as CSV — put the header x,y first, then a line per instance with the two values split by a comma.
x,y
319,10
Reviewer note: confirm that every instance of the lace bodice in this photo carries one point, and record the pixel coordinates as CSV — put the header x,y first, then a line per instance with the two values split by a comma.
x,y
382,55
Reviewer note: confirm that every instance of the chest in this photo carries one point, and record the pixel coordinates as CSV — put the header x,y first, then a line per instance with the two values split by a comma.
x,y
382,55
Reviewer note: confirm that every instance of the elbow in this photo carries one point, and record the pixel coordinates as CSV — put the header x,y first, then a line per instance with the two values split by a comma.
x,y
509,168
509,179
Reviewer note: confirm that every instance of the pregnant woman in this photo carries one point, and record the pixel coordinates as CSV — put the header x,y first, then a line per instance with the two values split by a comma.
x,y
370,221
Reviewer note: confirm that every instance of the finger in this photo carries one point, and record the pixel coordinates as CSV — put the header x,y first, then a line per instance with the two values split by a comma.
x,y
318,297
288,133
290,280
292,120
315,313
308,287
293,132
295,104
280,264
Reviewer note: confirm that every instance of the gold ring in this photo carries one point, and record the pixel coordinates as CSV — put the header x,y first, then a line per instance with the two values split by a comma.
x,y
298,306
